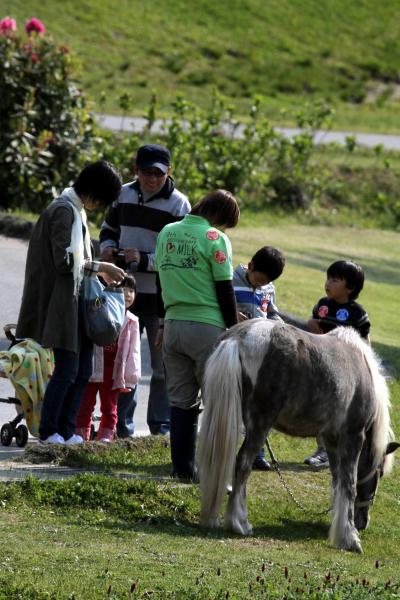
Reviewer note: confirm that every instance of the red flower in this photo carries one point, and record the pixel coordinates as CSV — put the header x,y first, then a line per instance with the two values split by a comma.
x,y
7,25
35,26
64,50
34,57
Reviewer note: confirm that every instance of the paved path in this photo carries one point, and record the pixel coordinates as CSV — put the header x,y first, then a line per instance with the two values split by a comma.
x,y
137,124
12,259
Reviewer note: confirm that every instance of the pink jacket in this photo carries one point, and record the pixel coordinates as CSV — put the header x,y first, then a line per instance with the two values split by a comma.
x,y
127,363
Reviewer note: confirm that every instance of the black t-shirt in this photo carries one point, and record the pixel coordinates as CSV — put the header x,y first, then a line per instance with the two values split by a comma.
x,y
331,314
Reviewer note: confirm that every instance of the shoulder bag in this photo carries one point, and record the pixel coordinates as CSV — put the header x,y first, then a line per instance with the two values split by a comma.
x,y
103,312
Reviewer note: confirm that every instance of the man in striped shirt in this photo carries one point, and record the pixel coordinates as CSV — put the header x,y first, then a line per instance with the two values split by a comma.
x,y
130,232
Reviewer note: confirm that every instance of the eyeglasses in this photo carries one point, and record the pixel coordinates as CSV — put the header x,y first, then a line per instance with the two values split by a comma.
x,y
152,173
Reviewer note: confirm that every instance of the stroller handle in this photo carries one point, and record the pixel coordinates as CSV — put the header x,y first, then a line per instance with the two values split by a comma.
x,y
8,333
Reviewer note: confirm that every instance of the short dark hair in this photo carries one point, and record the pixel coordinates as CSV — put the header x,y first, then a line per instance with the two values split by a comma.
x,y
128,282
351,272
270,261
99,181
219,207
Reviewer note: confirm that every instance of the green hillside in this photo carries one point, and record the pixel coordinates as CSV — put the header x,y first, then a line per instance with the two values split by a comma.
x,y
289,51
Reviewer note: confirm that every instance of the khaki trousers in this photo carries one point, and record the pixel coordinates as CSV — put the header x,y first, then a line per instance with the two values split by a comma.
x,y
186,348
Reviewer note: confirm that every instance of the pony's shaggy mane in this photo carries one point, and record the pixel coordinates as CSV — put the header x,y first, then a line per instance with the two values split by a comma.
x,y
382,433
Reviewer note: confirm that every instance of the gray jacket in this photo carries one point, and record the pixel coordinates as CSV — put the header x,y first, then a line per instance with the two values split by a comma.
x,y
49,309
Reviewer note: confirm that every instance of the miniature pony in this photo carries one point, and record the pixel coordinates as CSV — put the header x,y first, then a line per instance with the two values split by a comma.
x,y
273,375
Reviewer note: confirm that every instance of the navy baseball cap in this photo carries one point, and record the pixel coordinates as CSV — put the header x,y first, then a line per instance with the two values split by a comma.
x,y
153,155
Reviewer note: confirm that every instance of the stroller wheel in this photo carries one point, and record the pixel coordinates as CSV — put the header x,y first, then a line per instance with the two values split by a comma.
x,y
92,433
21,435
6,434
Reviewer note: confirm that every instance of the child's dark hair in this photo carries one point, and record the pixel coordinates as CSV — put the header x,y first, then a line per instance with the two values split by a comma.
x,y
351,272
269,261
219,207
99,181
128,282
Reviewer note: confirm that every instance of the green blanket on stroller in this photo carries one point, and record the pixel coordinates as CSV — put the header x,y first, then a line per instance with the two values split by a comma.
x,y
29,367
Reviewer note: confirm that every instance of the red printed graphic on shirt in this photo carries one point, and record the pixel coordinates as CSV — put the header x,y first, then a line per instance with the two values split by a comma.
x,y
264,303
212,235
220,257
170,247
323,311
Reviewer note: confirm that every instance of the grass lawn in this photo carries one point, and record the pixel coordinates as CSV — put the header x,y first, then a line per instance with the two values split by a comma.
x,y
108,537
288,53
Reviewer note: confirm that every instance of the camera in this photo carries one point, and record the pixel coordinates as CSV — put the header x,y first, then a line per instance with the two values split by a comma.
x,y
120,259
121,262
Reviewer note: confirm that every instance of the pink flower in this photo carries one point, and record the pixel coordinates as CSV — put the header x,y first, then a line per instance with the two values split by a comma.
x,y
35,26
7,25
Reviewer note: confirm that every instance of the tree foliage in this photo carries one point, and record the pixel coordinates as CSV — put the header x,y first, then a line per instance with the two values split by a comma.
x,y
47,134
46,131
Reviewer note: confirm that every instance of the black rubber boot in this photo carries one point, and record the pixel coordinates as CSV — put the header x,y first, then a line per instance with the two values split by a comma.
x,y
183,443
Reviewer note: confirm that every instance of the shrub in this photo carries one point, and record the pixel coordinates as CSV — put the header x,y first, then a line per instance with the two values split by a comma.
x,y
46,131
212,149
371,192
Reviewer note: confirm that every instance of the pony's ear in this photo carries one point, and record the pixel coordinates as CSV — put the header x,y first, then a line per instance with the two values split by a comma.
x,y
392,447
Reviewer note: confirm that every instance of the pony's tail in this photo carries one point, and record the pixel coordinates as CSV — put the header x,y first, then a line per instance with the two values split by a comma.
x,y
220,428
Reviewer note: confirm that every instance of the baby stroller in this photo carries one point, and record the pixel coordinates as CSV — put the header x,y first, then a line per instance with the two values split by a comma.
x,y
28,367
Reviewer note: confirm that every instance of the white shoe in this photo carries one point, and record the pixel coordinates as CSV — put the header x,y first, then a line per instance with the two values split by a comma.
x,y
56,438
104,441
74,439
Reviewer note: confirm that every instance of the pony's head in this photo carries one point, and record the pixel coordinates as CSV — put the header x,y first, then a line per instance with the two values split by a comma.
x,y
376,456
369,475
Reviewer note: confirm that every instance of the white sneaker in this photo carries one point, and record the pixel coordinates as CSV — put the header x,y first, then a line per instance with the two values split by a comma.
x,y
56,438
74,439
104,441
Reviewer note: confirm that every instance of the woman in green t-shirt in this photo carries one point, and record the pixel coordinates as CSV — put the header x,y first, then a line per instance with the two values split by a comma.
x,y
196,304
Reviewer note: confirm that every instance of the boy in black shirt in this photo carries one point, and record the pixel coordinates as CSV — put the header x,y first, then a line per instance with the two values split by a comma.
x,y
345,280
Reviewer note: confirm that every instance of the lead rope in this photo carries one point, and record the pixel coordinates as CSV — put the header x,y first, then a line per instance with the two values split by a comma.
x,y
275,467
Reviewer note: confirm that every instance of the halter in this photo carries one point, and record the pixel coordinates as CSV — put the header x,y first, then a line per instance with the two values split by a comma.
x,y
370,500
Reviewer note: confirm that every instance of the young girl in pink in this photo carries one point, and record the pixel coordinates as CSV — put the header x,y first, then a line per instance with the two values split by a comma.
x,y
116,368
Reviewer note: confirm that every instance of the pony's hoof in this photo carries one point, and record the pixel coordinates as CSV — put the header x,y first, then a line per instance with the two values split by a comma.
x,y
249,529
356,547
210,523
352,546
239,528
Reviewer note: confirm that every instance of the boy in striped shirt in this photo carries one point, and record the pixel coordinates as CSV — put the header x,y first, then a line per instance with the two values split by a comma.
x,y
255,298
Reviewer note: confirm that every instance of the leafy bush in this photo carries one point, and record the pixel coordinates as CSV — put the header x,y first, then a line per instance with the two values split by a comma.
x,y
46,131
371,192
212,149
265,169
47,134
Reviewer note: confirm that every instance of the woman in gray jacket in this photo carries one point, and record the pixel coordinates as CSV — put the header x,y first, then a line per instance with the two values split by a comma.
x,y
59,254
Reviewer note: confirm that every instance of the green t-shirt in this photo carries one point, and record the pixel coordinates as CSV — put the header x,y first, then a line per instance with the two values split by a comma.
x,y
190,256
